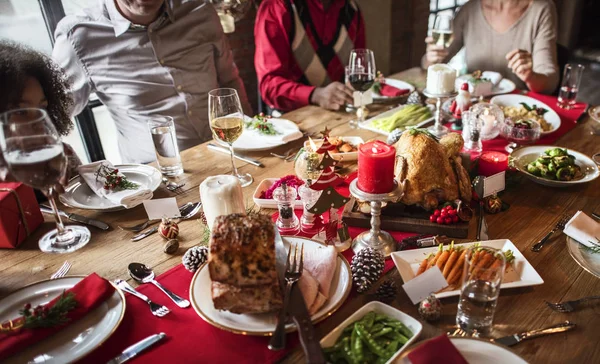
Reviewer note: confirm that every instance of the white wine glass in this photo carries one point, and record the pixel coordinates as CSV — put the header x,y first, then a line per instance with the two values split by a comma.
x,y
35,156
361,76
443,31
227,123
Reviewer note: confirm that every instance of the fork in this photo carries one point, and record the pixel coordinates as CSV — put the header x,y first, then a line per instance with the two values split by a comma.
x,y
292,275
570,306
286,156
560,225
157,310
172,186
62,271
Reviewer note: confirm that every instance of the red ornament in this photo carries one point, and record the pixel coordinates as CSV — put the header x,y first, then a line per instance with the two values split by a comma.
x,y
168,229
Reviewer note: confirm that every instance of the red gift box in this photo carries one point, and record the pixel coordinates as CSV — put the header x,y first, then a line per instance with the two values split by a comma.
x,y
20,214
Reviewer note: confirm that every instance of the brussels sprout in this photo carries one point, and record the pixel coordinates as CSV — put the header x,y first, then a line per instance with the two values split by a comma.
x,y
546,173
545,159
552,167
562,161
564,174
571,158
531,168
556,152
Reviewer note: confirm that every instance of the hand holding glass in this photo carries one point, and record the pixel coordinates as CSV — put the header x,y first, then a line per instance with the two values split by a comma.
x,y
442,32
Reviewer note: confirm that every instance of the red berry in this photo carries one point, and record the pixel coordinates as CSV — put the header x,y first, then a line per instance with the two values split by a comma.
x,y
432,218
116,170
448,220
455,219
444,213
436,213
105,187
27,306
440,220
452,212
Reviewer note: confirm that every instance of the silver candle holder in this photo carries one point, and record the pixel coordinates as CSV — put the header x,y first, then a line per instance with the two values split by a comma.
x,y
438,129
375,238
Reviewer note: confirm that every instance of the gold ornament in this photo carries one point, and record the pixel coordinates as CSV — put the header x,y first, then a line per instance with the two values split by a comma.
x,y
492,204
168,229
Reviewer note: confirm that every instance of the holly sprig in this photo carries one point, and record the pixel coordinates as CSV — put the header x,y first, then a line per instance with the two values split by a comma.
x,y
42,316
113,180
379,81
262,124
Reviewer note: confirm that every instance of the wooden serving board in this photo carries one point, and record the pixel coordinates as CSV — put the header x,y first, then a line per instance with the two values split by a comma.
x,y
399,217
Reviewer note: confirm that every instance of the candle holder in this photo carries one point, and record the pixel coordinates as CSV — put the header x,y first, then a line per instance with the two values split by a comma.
x,y
308,197
375,238
287,221
438,129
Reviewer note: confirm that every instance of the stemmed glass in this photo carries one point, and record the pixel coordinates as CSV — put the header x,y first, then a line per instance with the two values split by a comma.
x,y
442,32
35,156
361,76
227,123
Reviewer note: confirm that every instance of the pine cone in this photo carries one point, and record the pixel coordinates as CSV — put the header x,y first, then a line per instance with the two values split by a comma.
x,y
414,99
387,291
394,136
366,266
195,257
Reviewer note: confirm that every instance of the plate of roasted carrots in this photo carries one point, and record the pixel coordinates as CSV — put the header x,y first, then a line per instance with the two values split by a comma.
x,y
450,260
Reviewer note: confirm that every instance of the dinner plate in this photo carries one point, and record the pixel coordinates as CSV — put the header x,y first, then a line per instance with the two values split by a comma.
x,y
475,351
75,340
584,256
78,194
397,84
368,124
551,116
522,156
253,141
264,324
342,157
519,274
505,85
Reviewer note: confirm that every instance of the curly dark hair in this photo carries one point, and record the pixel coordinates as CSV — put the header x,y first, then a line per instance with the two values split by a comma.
x,y
17,64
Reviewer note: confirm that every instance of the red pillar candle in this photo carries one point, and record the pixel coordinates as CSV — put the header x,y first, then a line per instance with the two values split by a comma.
x,y
491,163
376,167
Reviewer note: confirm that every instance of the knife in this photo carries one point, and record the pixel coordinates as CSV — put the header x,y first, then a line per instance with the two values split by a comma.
x,y
76,217
482,228
221,149
308,339
583,115
511,340
597,216
137,348
144,234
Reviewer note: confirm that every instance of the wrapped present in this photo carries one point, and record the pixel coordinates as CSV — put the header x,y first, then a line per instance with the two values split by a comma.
x,y
19,214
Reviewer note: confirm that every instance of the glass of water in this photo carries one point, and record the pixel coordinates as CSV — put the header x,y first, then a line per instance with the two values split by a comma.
x,y
164,138
569,86
482,275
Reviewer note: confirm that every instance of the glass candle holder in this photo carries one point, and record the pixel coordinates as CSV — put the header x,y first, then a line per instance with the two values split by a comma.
x,y
285,196
491,117
472,132
308,197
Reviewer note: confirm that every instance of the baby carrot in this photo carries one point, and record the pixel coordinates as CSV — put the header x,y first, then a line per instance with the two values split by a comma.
x,y
457,270
435,258
450,264
423,266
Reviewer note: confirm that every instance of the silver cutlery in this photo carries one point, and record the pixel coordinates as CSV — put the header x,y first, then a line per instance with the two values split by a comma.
x,y
157,310
62,271
221,149
482,229
172,186
293,271
189,212
560,225
137,348
141,226
76,217
288,156
570,306
511,340
596,215
143,274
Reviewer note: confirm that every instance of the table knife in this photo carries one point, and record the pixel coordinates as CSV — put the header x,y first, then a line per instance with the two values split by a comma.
x,y
221,149
482,228
597,216
308,339
583,115
76,217
137,348
144,234
511,340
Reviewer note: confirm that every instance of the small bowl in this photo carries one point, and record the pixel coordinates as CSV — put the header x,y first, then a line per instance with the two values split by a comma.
x,y
521,135
342,157
378,307
594,114
269,203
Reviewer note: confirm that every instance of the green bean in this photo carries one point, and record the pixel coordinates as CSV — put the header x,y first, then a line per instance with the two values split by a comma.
x,y
348,352
357,348
377,327
381,332
368,320
370,341
405,330
392,347
380,317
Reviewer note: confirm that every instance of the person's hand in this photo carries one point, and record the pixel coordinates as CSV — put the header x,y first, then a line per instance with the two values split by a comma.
x,y
521,63
435,53
332,96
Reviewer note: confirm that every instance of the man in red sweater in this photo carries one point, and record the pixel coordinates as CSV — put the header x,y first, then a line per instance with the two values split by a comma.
x,y
302,47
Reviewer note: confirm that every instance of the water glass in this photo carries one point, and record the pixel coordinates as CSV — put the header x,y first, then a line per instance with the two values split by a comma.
x,y
483,272
471,133
570,85
164,138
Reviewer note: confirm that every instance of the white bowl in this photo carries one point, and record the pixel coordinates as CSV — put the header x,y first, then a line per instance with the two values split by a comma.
x,y
269,203
381,308
342,157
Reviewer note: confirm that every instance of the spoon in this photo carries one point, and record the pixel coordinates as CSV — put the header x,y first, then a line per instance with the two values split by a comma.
x,y
143,274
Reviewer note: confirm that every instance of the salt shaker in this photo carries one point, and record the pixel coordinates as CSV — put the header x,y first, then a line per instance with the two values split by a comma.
x,y
472,132
285,196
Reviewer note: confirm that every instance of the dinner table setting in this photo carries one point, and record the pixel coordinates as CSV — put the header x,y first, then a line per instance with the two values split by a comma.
x,y
435,220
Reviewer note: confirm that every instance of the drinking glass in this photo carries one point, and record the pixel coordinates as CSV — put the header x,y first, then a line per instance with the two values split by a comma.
x,y
164,138
520,132
482,275
35,156
442,32
227,123
361,76
570,85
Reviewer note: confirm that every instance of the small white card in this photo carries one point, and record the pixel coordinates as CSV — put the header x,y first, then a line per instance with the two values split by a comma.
x,y
418,288
162,207
366,99
494,184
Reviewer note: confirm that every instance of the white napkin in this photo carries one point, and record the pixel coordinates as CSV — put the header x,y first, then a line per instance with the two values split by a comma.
x,y
253,139
584,229
126,198
494,77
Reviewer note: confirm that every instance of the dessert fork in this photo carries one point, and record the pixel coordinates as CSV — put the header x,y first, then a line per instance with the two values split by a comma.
x,y
157,310
62,271
570,306
560,225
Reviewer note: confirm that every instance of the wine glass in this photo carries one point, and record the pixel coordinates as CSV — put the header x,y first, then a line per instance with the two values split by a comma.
x,y
520,132
35,156
227,123
361,76
442,32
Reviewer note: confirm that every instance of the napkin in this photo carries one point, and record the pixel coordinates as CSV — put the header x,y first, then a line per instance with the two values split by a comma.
x,y
287,131
391,91
126,198
437,350
584,229
494,77
89,294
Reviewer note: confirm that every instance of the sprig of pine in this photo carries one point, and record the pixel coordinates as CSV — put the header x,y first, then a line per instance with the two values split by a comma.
x,y
414,131
54,316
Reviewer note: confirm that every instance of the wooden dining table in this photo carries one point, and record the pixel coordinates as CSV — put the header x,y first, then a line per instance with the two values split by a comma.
x,y
534,210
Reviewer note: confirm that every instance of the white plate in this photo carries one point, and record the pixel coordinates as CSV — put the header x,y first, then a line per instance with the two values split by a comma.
x,y
342,157
522,156
584,257
477,351
551,116
381,308
264,324
79,195
520,273
269,203
397,84
78,338
505,85
254,141
368,123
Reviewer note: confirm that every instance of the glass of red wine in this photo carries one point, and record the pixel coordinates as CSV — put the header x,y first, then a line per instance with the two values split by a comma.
x,y
34,155
361,76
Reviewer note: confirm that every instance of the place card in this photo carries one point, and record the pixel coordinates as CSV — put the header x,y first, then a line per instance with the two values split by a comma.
x,y
494,184
162,207
419,288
